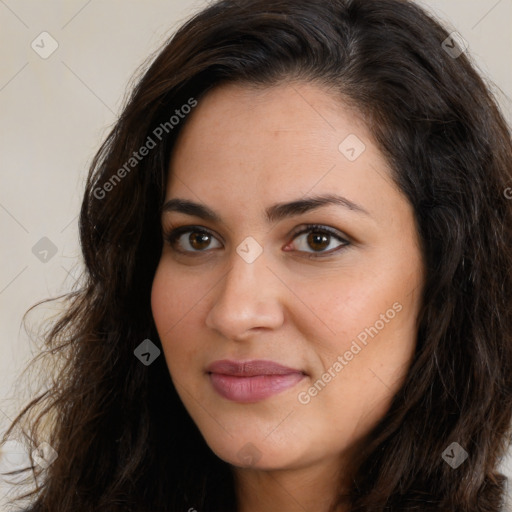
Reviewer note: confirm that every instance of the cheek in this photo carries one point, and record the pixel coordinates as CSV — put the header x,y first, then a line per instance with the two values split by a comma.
x,y
340,307
171,307
173,297
176,306
162,300
369,322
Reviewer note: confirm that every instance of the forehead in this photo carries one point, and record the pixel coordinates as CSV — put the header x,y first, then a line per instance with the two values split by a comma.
x,y
290,112
273,144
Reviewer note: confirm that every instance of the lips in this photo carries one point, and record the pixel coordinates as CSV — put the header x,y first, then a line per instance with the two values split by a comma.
x,y
251,381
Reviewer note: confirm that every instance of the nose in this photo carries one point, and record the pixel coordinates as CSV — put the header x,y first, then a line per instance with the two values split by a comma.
x,y
248,298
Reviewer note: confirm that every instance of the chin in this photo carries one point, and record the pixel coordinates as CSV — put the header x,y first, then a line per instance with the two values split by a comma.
x,y
245,452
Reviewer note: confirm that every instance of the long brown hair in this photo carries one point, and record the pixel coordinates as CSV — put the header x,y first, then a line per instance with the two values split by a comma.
x,y
123,438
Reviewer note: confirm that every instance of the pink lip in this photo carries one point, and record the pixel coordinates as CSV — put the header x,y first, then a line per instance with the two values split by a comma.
x,y
251,381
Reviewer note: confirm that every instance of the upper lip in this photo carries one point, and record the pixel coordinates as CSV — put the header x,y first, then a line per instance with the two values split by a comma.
x,y
250,368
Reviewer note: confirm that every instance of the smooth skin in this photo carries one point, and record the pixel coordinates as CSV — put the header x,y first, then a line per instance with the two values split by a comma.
x,y
242,150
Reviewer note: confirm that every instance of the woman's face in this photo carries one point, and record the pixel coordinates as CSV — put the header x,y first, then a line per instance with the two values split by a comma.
x,y
285,342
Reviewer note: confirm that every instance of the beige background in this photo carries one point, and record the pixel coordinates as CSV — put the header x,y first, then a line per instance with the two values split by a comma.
x,y
56,111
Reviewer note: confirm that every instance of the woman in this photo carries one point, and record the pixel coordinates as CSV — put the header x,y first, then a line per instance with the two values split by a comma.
x,y
298,276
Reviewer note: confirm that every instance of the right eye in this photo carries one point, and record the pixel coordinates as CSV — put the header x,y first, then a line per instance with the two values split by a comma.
x,y
198,239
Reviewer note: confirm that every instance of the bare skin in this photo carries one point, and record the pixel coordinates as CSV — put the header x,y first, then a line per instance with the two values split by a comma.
x,y
302,302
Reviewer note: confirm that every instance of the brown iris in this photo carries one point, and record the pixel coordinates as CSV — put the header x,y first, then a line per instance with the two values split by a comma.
x,y
318,240
199,240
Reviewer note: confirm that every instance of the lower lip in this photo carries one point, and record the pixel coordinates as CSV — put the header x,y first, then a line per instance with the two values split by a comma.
x,y
252,389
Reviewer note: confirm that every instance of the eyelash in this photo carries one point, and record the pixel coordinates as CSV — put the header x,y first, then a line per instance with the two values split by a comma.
x,y
172,236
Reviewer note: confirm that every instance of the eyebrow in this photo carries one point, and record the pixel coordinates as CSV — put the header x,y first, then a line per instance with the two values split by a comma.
x,y
273,213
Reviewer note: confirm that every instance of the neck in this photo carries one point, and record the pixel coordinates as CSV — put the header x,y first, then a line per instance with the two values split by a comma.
x,y
307,489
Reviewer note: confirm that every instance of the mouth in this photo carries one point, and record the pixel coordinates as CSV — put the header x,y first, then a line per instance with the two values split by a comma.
x,y
251,381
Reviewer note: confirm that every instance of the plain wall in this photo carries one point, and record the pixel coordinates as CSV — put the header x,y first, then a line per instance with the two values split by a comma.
x,y
56,111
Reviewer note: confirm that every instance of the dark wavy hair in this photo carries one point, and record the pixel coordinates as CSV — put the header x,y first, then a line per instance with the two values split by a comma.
x,y
124,440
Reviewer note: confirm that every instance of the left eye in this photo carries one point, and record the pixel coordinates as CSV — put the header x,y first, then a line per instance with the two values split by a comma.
x,y
321,240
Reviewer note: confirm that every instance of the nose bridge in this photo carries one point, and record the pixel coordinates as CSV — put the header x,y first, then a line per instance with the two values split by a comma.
x,y
245,278
248,263
247,296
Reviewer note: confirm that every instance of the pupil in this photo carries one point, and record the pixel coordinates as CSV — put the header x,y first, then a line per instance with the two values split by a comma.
x,y
318,238
199,240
